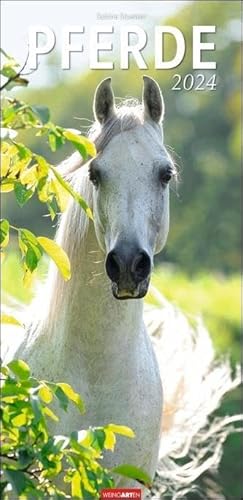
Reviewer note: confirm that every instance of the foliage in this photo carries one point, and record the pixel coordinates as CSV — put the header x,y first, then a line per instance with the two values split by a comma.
x,y
27,173
32,458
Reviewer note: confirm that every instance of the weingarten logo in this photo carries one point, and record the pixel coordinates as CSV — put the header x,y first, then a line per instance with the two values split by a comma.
x,y
121,493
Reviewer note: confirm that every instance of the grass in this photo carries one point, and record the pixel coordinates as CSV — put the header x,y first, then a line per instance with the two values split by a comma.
x,y
214,297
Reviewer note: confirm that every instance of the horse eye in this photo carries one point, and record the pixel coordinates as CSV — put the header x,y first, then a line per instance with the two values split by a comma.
x,y
166,174
93,175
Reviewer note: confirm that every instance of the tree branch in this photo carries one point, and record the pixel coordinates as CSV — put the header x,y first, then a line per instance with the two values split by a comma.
x,y
11,79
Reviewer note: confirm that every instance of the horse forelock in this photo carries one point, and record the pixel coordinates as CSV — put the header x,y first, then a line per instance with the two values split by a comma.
x,y
129,114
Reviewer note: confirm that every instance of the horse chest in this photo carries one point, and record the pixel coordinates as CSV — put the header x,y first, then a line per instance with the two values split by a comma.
x,y
125,391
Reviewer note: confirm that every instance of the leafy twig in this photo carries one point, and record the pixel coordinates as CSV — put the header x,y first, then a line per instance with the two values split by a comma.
x,y
18,74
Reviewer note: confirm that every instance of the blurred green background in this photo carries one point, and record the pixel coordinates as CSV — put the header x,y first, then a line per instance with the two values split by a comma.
x,y
199,269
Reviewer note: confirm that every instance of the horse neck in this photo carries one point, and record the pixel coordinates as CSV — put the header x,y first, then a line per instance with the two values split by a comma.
x,y
83,310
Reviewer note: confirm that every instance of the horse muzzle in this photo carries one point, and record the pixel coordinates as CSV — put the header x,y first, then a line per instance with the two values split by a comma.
x,y
124,293
129,270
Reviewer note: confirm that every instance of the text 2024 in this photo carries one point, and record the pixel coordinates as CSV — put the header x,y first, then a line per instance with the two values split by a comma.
x,y
197,82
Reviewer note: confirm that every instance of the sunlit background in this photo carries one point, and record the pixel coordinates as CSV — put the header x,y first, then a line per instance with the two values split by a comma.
x,y
199,269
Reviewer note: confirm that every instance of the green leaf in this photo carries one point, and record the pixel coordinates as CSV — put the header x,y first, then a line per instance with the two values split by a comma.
x,y
123,430
76,485
52,141
29,178
17,82
133,472
57,254
31,259
75,195
43,190
29,241
110,440
20,420
10,320
45,394
23,152
28,237
84,145
47,411
17,480
62,398
8,69
22,193
55,138
37,409
4,232
88,487
72,395
42,131
4,370
9,390
81,149
52,207
7,185
25,457
100,436
19,368
30,249
43,166
8,115
61,194
42,112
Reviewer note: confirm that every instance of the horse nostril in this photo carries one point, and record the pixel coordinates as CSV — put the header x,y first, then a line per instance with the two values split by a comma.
x,y
141,266
128,267
113,266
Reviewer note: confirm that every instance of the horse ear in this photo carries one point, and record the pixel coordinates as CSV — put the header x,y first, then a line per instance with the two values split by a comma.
x,y
153,101
104,101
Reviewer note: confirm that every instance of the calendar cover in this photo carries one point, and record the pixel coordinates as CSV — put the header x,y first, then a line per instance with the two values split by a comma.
x,y
120,246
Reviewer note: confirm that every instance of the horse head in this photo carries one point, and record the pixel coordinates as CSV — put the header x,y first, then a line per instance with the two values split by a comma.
x,y
130,177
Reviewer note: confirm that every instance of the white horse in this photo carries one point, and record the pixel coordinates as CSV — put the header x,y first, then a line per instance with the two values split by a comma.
x,y
90,332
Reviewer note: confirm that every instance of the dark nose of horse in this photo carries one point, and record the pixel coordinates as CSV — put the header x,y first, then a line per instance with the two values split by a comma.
x,y
131,267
